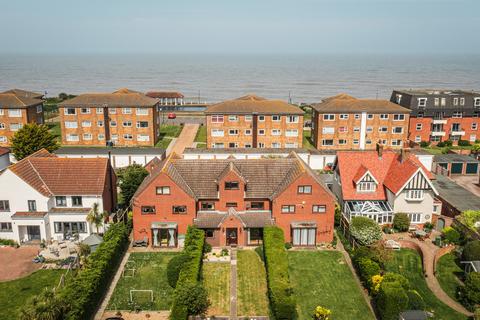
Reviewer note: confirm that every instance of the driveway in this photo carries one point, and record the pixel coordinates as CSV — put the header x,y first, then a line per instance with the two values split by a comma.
x,y
17,263
185,140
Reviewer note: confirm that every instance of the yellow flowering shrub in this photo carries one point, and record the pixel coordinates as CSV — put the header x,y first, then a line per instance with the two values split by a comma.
x,y
376,282
322,313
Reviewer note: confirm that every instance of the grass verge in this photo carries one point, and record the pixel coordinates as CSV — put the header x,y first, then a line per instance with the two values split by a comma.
x,y
322,278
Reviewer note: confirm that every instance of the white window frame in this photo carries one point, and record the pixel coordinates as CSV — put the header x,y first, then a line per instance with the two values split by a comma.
x,y
217,118
276,118
86,124
276,132
474,126
143,137
383,129
233,118
235,132
329,117
383,116
99,110
399,117
422,102
248,118
415,217
476,102
261,132
126,110
217,133
293,119
127,124
72,137
418,126
87,136
415,195
395,128
87,110
71,124
329,145
291,133
141,111
343,116
65,111
15,113
248,132
261,118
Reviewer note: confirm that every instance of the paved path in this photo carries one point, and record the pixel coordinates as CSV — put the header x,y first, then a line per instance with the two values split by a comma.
x,y
233,284
429,250
111,288
185,140
348,260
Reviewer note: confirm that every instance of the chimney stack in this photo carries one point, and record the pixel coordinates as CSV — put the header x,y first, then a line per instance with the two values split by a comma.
x,y
380,150
404,154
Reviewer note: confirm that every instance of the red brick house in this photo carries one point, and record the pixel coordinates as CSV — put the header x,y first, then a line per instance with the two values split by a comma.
x,y
233,200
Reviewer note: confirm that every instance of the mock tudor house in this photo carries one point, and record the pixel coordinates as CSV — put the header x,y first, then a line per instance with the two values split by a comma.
x,y
44,197
440,115
121,118
17,108
379,184
233,200
343,122
254,122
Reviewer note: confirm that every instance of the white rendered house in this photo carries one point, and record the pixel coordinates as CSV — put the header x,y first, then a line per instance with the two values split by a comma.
x,y
43,197
378,184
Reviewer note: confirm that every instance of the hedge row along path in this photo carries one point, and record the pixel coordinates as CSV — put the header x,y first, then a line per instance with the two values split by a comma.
x,y
428,253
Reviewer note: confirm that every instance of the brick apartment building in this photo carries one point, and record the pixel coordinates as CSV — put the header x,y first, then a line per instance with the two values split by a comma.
x,y
121,118
233,200
343,122
18,107
440,115
254,122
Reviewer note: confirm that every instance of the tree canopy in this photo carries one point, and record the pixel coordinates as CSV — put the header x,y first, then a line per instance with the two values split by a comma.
x,y
31,138
130,179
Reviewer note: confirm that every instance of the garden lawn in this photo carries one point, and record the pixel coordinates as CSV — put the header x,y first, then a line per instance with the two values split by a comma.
x,y
216,279
14,294
307,139
201,134
408,263
54,128
150,274
252,284
322,278
448,273
167,133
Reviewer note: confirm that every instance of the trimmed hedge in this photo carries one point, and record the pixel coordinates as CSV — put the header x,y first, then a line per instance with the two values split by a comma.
x,y
391,300
85,291
190,271
280,290
471,251
367,269
174,267
401,221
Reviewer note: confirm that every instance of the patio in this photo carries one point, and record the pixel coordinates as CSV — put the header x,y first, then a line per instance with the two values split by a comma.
x,y
17,262
60,250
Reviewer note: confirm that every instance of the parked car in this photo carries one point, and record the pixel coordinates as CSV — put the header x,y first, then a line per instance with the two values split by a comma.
x,y
172,115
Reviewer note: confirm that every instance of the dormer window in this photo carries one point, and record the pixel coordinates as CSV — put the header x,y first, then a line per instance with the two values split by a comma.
x,y
476,102
422,102
366,186
232,185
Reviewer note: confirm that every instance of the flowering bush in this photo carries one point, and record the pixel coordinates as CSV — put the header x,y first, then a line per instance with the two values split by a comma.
x,y
321,313
376,281
365,230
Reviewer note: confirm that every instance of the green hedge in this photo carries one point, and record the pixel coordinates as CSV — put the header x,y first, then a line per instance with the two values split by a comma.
x,y
190,272
279,289
86,290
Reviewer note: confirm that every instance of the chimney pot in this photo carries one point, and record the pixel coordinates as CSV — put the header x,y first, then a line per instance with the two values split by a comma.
x,y
380,149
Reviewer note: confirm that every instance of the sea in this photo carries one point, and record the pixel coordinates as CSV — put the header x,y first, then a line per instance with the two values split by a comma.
x,y
299,78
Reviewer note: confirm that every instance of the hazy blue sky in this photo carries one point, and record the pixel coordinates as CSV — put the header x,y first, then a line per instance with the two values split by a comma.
x,y
242,26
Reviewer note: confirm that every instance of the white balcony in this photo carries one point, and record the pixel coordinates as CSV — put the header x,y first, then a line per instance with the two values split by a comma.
x,y
437,133
439,121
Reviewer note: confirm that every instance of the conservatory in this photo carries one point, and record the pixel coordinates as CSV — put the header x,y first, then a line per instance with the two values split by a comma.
x,y
377,210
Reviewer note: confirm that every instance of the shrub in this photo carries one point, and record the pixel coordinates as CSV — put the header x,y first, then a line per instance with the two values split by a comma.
x,y
321,313
376,281
471,251
391,300
401,221
470,293
174,267
279,289
338,215
367,268
189,273
7,242
415,300
463,143
365,230
362,252
194,298
448,143
469,218
207,247
288,245
424,144
396,278
441,144
83,293
451,235
428,226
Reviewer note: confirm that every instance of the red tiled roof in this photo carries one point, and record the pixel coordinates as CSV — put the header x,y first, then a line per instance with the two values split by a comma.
x,y
360,173
388,170
28,214
51,175
4,151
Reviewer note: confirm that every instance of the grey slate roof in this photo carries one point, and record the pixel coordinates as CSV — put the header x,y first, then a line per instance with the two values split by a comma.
x,y
456,195
453,157
266,178
250,219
